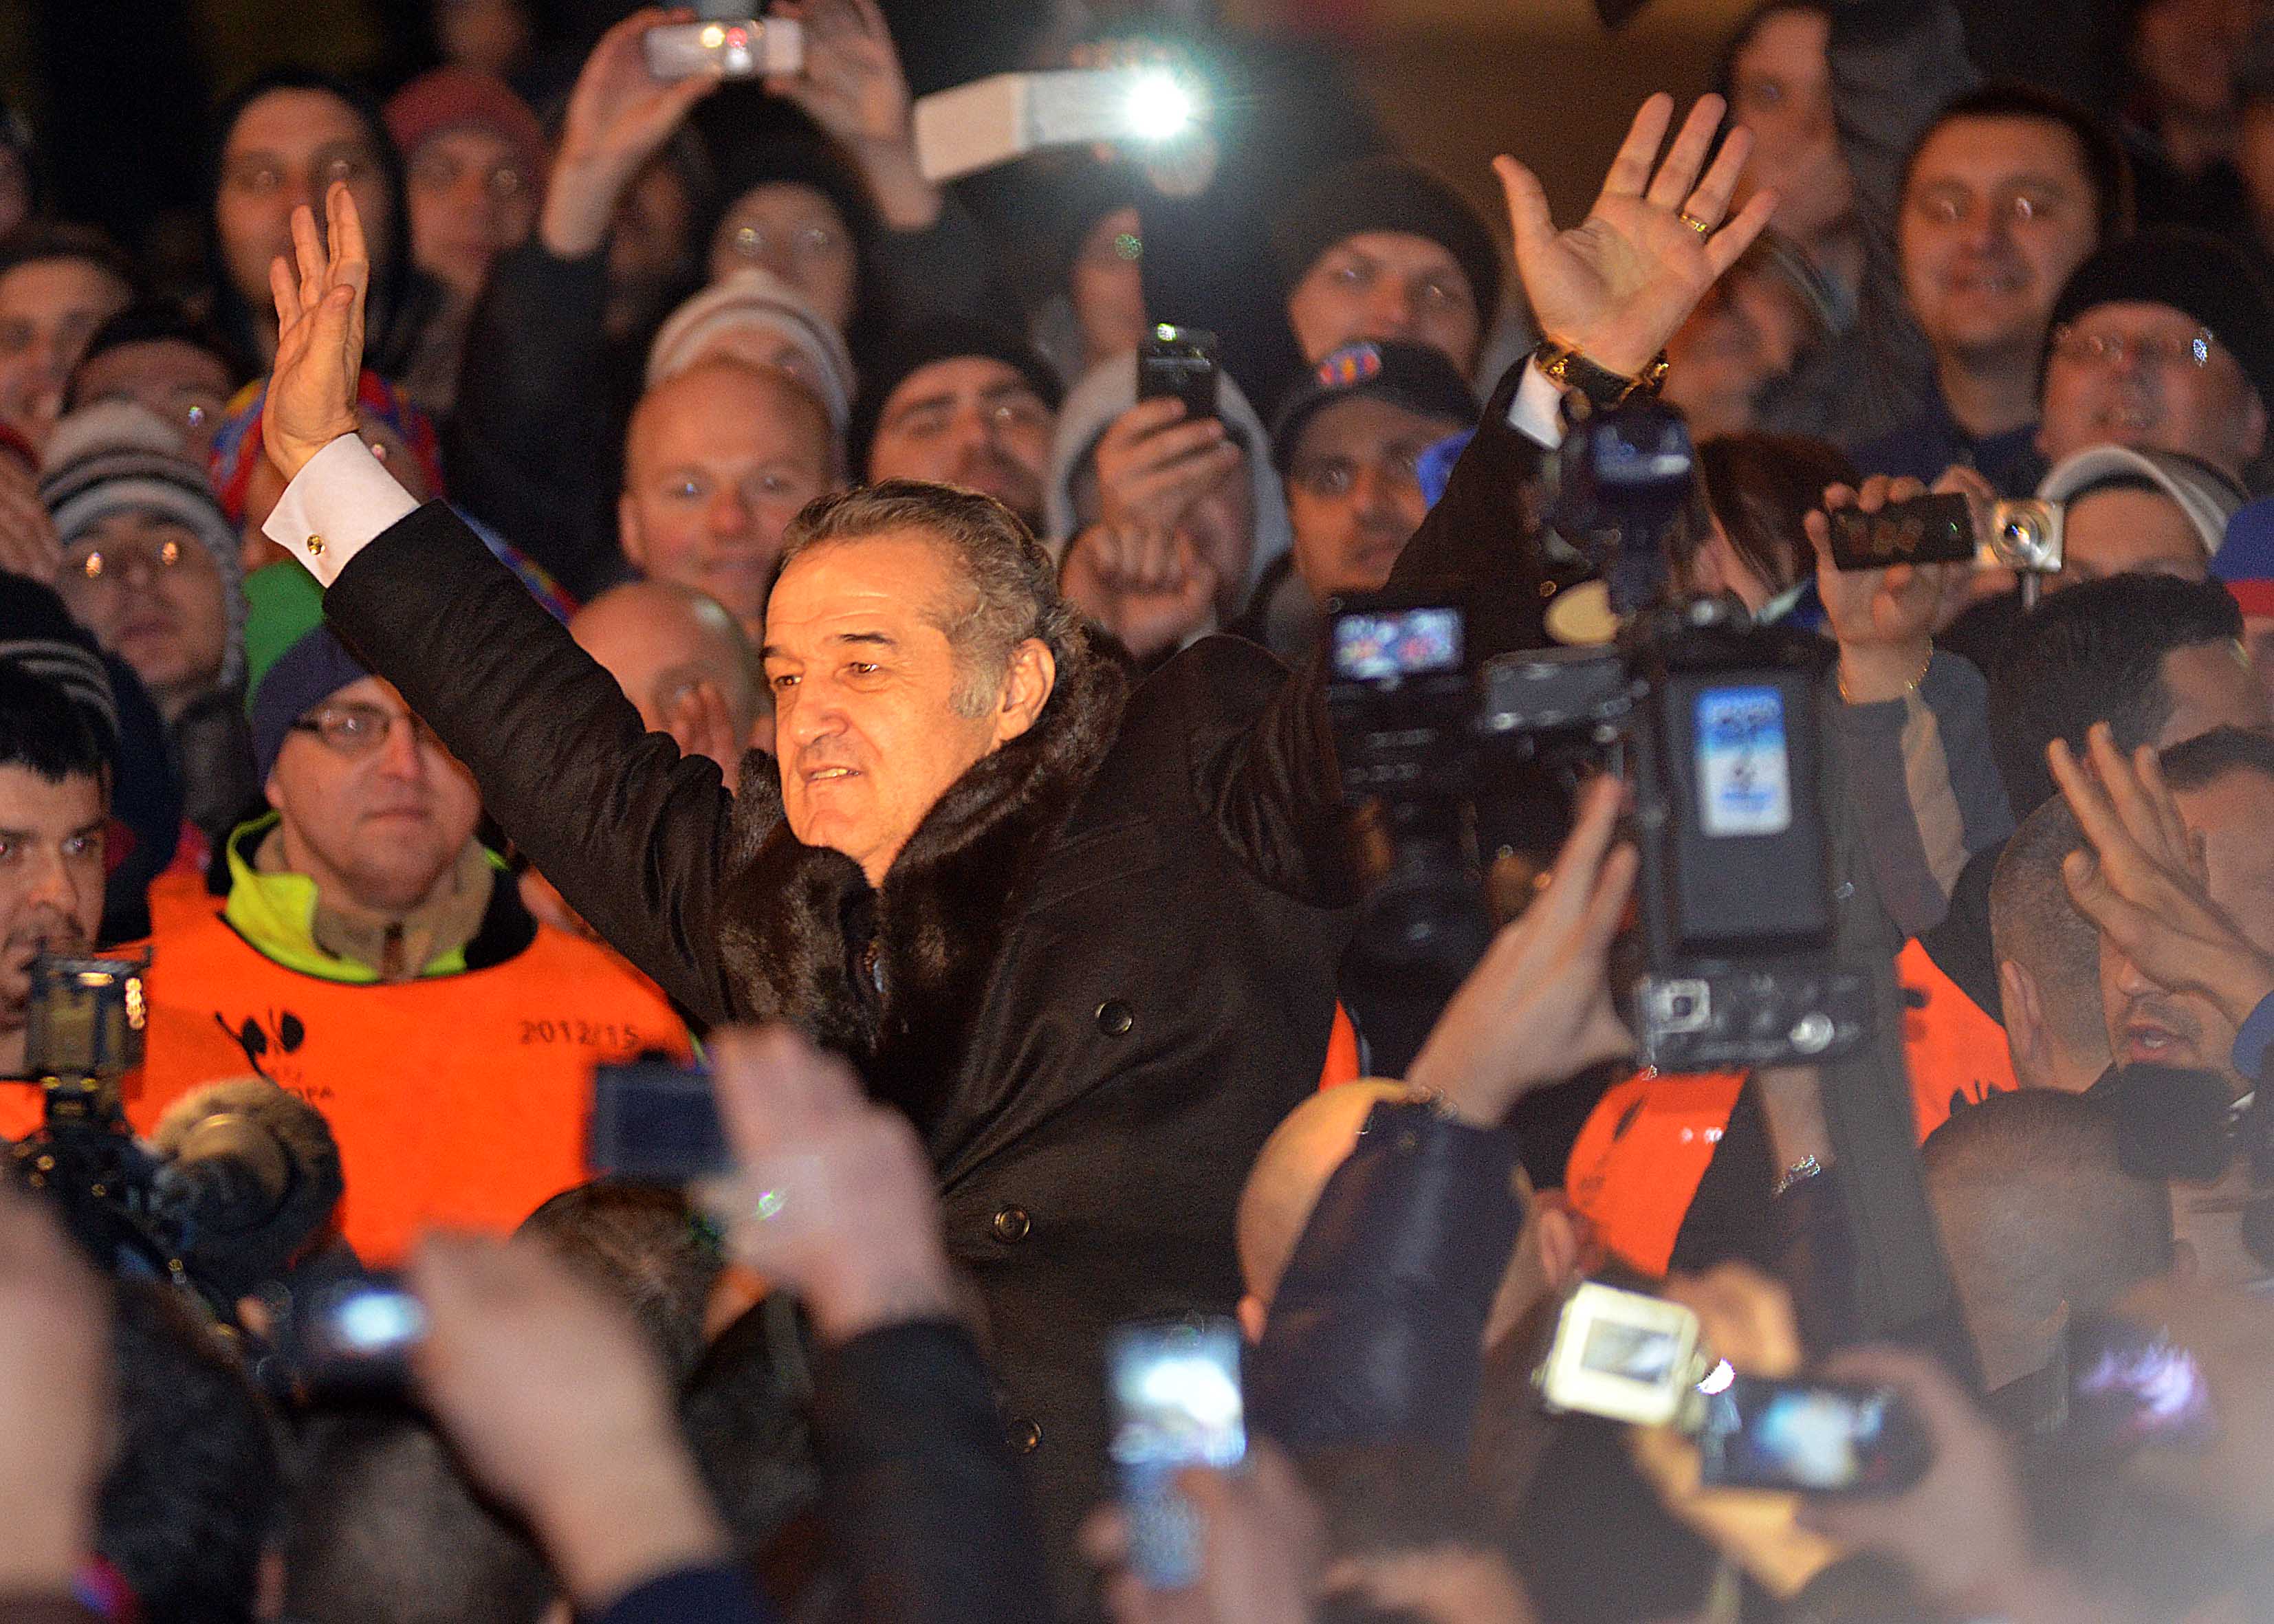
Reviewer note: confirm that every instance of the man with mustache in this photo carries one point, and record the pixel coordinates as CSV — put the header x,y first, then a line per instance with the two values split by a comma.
x,y
54,799
960,403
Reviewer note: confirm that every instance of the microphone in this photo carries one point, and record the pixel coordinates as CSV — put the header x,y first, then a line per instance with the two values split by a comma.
x,y
250,1174
2170,1122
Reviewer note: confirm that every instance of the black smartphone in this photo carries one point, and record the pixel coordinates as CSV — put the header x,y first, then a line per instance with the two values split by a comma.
x,y
1176,1403
1926,530
1809,1436
2131,1385
1179,362
352,1335
656,1122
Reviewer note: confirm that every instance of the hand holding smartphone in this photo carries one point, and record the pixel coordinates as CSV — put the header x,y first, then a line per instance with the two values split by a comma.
x,y
1176,1403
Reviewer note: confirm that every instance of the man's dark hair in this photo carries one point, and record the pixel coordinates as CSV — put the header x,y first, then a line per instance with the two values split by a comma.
x,y
39,240
745,1413
1010,586
384,1528
640,1243
2202,761
2099,153
2033,922
43,730
190,1500
2095,653
1762,487
151,321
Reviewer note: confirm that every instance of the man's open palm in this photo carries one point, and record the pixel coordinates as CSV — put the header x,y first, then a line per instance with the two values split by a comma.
x,y
319,310
1617,285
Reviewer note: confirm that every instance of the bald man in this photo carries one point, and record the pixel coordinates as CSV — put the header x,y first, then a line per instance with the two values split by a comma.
x,y
684,660
2048,958
1292,1172
2041,1223
717,461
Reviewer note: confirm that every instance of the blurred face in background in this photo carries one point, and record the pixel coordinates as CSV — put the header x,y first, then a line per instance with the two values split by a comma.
x,y
1108,287
469,201
1997,213
1745,333
2185,53
1387,284
718,461
971,421
648,249
1354,491
491,36
2131,373
187,385
1780,89
286,149
797,233
151,594
49,309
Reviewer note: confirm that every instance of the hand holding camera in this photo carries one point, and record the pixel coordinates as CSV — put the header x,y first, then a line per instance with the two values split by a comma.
x,y
1156,460
1539,1008
1885,615
834,1198
619,114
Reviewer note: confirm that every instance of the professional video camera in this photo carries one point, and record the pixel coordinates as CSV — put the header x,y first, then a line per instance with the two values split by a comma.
x,y
238,1177
1711,719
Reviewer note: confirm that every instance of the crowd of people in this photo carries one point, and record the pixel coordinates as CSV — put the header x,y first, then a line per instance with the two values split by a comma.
x,y
602,573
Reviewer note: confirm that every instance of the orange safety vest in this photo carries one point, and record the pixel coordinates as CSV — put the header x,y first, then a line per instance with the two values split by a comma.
x,y
458,1101
1956,1055
1640,1157
1342,1062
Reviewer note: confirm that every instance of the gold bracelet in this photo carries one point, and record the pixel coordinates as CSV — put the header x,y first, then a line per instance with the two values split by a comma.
x,y
1840,676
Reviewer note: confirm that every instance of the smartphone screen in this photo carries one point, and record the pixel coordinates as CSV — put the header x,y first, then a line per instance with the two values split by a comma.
x,y
1176,1403
2131,1385
355,1333
1181,362
1815,1438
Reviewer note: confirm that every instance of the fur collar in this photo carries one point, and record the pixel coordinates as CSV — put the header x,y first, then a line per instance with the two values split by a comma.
x,y
800,922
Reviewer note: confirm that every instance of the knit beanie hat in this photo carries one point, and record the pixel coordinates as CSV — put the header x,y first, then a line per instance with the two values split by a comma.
x,y
2202,275
295,662
911,349
1412,377
757,299
119,455
450,98
1385,194
2206,496
38,633
2244,561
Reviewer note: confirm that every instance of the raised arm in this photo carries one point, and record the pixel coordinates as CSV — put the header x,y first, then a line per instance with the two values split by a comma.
x,y
632,834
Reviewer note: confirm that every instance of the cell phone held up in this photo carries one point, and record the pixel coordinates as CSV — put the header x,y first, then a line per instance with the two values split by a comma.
x,y
1810,1438
740,48
2024,536
1179,362
1176,1394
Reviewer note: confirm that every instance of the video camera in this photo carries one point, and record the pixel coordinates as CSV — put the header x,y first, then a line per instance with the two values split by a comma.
x,y
243,1174
1711,719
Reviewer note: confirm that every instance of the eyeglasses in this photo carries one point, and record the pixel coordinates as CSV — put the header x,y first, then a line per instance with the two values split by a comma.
x,y
804,242
115,563
356,731
2151,352
1398,469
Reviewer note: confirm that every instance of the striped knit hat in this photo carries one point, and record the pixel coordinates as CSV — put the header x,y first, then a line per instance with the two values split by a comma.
x,y
118,455
38,633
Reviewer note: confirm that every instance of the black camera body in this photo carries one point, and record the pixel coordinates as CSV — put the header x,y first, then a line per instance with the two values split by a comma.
x,y
1712,720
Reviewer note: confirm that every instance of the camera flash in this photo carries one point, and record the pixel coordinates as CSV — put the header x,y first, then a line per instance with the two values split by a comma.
x,y
1158,106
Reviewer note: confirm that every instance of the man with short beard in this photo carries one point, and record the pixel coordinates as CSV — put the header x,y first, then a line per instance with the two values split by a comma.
x,y
960,403
54,799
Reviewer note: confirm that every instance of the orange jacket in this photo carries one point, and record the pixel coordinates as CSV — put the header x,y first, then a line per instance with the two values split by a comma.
x,y
1955,1053
1640,1155
458,1101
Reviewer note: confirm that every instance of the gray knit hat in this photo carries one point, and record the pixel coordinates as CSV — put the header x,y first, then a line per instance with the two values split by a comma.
x,y
118,454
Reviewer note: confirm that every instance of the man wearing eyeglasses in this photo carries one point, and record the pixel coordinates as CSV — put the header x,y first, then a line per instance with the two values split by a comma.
x,y
2164,342
366,951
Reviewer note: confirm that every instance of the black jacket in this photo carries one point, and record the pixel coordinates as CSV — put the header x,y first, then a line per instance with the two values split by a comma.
x,y
1106,957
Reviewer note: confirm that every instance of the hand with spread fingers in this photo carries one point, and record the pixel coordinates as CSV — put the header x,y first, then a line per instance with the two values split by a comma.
x,y
319,311
1618,285
619,114
2140,878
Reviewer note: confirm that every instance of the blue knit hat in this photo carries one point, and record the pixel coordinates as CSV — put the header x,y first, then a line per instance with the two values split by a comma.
x,y
295,662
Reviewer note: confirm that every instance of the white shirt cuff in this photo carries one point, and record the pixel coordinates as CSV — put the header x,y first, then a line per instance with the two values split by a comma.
x,y
1537,411
338,502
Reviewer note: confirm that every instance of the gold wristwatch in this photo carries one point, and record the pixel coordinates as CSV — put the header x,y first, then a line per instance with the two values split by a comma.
x,y
1605,390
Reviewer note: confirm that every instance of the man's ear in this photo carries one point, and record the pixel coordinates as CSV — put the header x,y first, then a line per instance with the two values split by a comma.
x,y
1027,684
628,532
2025,1025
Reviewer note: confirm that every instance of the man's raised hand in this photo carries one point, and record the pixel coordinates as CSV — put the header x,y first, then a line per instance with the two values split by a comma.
x,y
319,310
1617,286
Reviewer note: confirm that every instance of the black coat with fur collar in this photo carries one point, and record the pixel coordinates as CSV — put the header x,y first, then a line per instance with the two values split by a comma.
x,y
1104,967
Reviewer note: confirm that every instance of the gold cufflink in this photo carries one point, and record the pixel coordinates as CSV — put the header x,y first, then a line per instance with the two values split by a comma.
x,y
315,546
